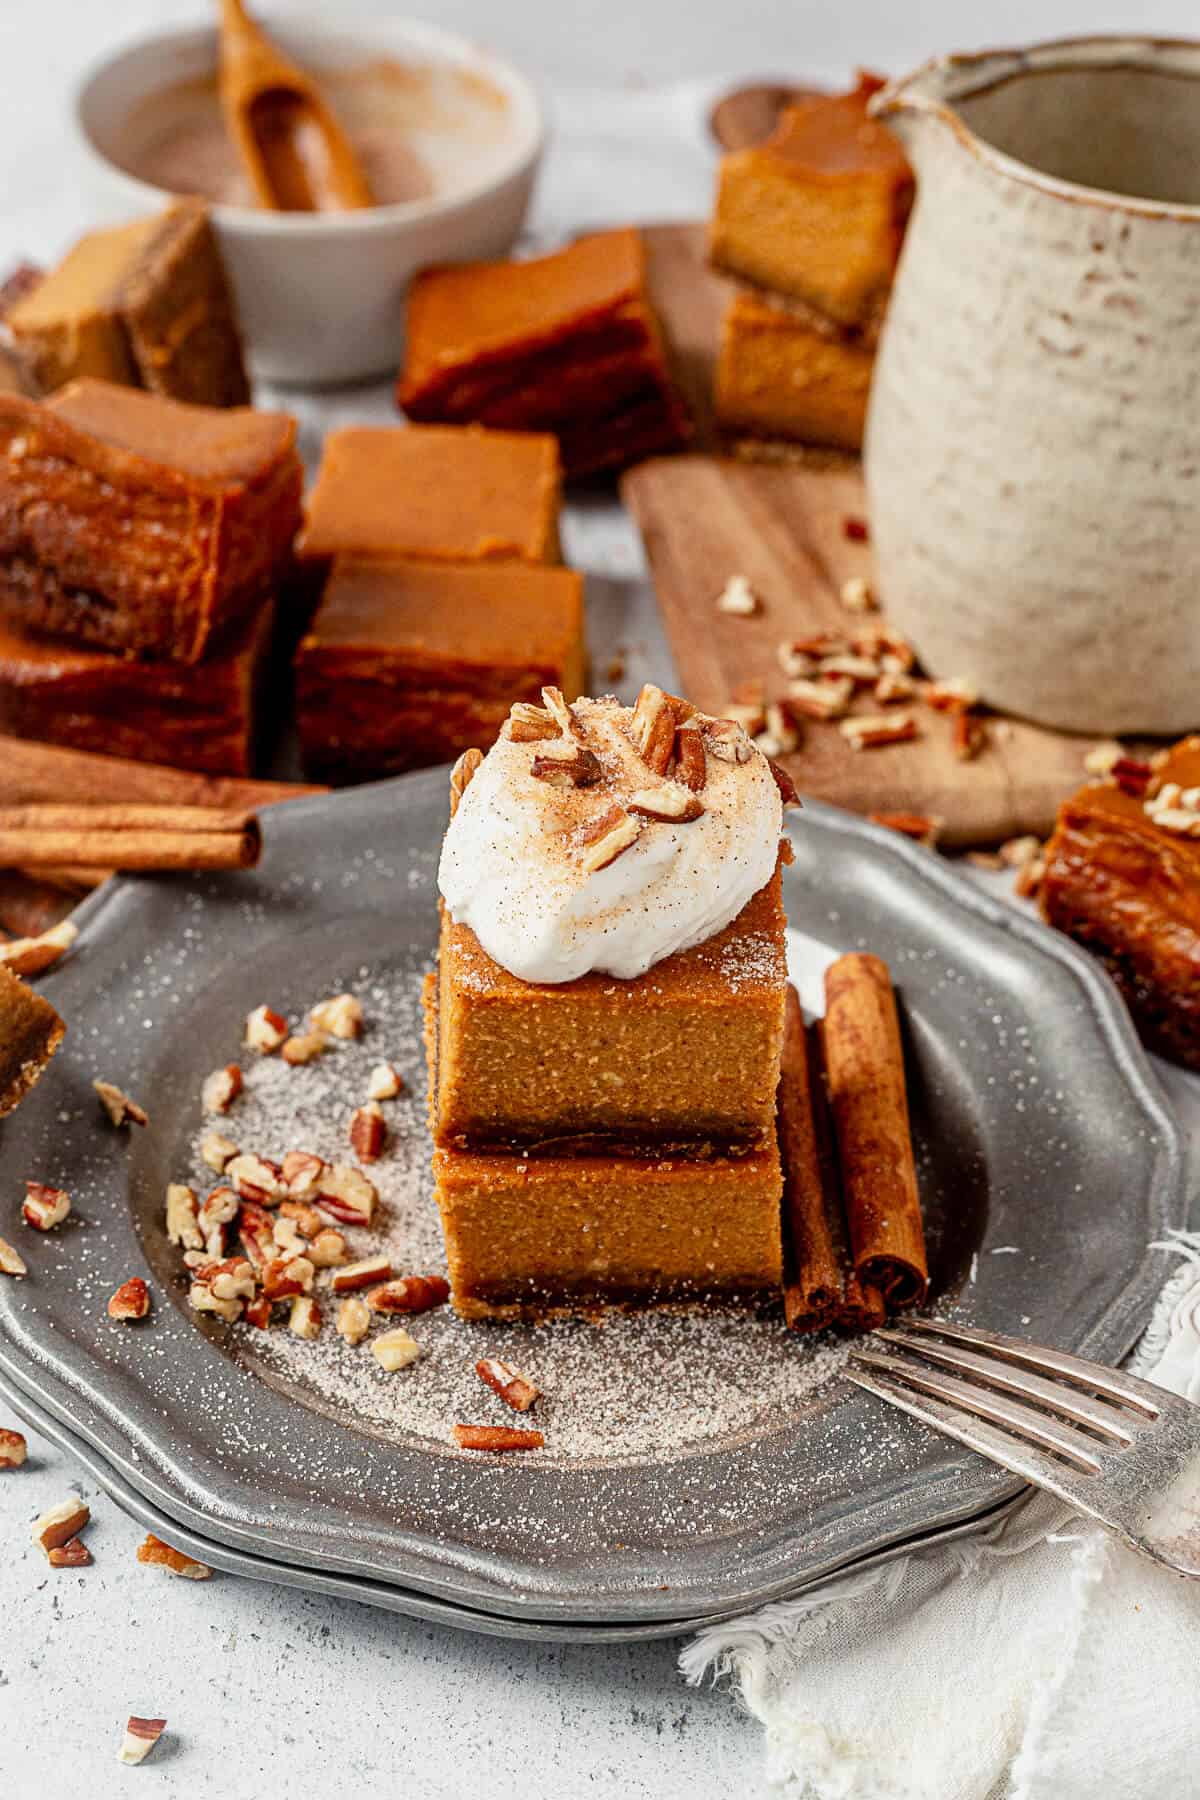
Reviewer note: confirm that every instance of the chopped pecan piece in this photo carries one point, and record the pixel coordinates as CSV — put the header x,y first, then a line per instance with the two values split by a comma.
x,y
346,1194
512,1388
953,695
304,1319
968,735
221,1089
288,1238
784,782
327,1250
396,1350
140,1737
368,1132
74,1554
119,1107
353,1319
671,804
45,1207
1132,775
608,837
287,1276
893,686
564,716
307,1219
305,1048
302,1172
66,1520
13,1449
872,733
257,1235
34,955
11,1261
265,1030
384,1082
857,595
691,763
579,770
232,1279
496,1437
825,699
256,1178
202,1299
218,1210
923,828
855,530
158,1555
460,776
131,1300
258,1313
411,1294
653,728
362,1274
217,1151
727,741
737,597
341,1016
749,715
528,724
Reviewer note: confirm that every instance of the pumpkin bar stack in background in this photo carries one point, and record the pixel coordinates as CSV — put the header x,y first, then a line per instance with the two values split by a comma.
x,y
143,545
812,221
434,554
567,343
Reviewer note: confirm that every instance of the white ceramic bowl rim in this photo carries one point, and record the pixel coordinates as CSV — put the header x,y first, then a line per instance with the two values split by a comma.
x,y
375,36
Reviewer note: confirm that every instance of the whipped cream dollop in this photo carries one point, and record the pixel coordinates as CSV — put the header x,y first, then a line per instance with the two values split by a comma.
x,y
611,839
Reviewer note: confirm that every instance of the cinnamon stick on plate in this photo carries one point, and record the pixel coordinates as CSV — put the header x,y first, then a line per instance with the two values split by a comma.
x,y
820,1287
121,835
864,1062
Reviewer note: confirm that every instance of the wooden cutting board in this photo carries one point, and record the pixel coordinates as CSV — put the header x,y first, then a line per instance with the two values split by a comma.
x,y
712,514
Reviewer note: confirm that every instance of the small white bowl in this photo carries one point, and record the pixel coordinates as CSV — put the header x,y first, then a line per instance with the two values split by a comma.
x,y
320,295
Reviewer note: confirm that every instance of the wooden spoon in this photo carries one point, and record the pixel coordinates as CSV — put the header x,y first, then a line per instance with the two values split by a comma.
x,y
749,115
296,154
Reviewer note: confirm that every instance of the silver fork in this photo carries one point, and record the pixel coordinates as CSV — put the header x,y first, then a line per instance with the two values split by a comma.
x,y
1120,1450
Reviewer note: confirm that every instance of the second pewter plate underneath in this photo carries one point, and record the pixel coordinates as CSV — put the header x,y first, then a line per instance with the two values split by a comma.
x,y
693,1464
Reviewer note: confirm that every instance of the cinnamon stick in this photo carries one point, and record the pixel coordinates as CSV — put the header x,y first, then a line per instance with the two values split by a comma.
x,y
864,1061
120,835
34,772
821,1287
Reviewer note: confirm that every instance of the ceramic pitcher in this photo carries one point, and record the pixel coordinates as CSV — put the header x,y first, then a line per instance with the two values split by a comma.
x,y
1033,442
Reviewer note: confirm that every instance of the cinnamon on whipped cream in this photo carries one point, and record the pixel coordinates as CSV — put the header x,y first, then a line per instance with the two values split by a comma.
x,y
596,837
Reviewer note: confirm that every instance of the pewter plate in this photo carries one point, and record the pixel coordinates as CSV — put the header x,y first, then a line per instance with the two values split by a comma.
x,y
1048,1162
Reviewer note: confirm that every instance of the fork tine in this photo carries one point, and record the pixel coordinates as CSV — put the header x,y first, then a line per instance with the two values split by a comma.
x,y
1069,1402
974,1402
1019,1458
1113,1384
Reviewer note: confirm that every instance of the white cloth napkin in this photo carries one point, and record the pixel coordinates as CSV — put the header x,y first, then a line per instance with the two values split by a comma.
x,y
1038,1661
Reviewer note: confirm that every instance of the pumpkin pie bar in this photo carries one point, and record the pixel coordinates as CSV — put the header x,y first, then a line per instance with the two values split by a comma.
x,y
1122,877
200,716
785,371
30,1033
818,211
407,663
136,523
606,1022
145,304
566,343
434,492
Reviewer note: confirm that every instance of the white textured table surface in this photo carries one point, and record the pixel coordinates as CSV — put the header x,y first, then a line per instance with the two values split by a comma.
x,y
264,1688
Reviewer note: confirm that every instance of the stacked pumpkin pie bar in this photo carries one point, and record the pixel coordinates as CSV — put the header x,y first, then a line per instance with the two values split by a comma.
x,y
811,221
606,1020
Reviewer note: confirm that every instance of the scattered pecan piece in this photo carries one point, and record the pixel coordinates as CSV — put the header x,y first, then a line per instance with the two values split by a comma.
x,y
872,733
13,1449
327,1250
564,716
304,1320
341,1016
202,1299
513,1389
738,597
856,530
395,1350
232,1279
968,735
140,1737
74,1554
1101,758
217,1151
529,724
131,1300
257,1235
362,1274
368,1132
45,1207
307,1219
305,1048
411,1294
782,734
287,1276
892,686
64,1521
119,1107
496,1437
951,695
863,671
289,1240
385,1082
302,1172
221,1089
1132,775
653,727
265,1030
256,1178
353,1320
258,1313
34,955
219,1210
158,1555
11,1261
460,776
857,595
1029,878
822,700
579,770
670,804
346,1194
1018,851
606,838
691,763
726,739
749,715
784,782
923,828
